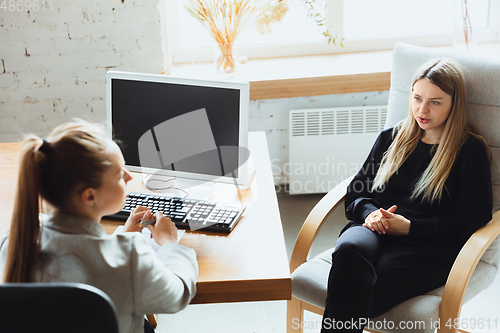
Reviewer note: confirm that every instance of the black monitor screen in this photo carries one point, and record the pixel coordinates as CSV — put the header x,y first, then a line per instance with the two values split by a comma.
x,y
138,106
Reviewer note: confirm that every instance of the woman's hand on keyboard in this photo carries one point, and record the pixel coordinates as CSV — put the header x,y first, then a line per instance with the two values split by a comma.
x,y
164,230
138,214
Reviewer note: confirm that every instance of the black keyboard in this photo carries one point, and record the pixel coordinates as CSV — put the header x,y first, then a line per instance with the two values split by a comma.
x,y
185,213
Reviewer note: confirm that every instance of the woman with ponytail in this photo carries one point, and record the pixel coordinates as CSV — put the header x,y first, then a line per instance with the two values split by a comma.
x,y
79,173
424,189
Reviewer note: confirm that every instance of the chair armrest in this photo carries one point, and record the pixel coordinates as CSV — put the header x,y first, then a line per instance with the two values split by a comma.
x,y
153,319
314,221
462,270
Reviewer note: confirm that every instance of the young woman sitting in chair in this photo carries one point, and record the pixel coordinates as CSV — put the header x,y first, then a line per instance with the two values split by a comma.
x,y
421,193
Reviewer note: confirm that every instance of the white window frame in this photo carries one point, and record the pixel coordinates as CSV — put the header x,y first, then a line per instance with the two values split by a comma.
x,y
172,53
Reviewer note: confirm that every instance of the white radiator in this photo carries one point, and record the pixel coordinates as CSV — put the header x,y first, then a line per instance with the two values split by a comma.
x,y
330,144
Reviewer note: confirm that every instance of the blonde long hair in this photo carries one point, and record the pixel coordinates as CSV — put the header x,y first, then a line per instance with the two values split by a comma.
x,y
73,157
446,74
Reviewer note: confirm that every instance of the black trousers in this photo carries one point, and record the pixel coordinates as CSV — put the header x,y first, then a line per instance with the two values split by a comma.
x,y
147,327
371,273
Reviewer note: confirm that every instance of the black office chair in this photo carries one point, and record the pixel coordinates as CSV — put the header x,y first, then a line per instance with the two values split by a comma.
x,y
55,307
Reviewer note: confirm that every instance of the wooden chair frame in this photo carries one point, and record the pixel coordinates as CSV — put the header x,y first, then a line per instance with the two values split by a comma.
x,y
153,319
458,279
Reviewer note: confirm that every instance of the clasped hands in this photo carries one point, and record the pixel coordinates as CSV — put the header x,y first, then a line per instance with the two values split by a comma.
x,y
387,222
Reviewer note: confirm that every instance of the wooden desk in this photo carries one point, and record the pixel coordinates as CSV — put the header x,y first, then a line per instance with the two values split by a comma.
x,y
250,264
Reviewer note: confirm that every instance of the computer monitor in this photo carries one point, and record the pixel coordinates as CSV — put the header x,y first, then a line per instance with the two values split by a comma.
x,y
151,112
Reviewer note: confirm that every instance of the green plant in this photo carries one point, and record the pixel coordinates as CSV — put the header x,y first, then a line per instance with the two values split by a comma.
x,y
314,12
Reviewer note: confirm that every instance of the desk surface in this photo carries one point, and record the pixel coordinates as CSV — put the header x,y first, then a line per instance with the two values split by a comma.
x,y
249,264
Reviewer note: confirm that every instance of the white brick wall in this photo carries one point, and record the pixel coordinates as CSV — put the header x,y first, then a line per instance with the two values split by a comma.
x,y
53,63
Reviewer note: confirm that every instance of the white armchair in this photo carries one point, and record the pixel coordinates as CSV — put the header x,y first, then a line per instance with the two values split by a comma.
x,y
477,264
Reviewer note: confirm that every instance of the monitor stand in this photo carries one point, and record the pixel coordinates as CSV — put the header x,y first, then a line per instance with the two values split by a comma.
x,y
172,186
196,189
179,187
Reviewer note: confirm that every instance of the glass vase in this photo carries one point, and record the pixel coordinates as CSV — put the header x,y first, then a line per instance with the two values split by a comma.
x,y
225,59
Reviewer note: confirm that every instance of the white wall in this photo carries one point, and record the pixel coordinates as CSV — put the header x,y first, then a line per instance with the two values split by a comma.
x,y
53,62
272,116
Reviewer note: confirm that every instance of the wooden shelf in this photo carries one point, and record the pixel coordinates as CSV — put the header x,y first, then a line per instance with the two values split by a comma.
x,y
323,85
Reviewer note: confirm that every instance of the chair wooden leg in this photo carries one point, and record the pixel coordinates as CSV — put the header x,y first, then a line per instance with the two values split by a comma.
x,y
294,315
152,318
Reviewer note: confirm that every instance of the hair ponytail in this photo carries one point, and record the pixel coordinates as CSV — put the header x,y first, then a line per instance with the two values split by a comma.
x,y
25,225
74,157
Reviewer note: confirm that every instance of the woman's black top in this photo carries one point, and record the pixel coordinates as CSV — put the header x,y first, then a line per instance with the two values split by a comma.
x,y
441,228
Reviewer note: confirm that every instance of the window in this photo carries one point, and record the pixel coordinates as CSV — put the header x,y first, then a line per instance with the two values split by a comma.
x,y
190,41
365,19
365,24
295,27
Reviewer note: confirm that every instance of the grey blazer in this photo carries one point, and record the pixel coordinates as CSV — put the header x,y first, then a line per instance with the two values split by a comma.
x,y
124,266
